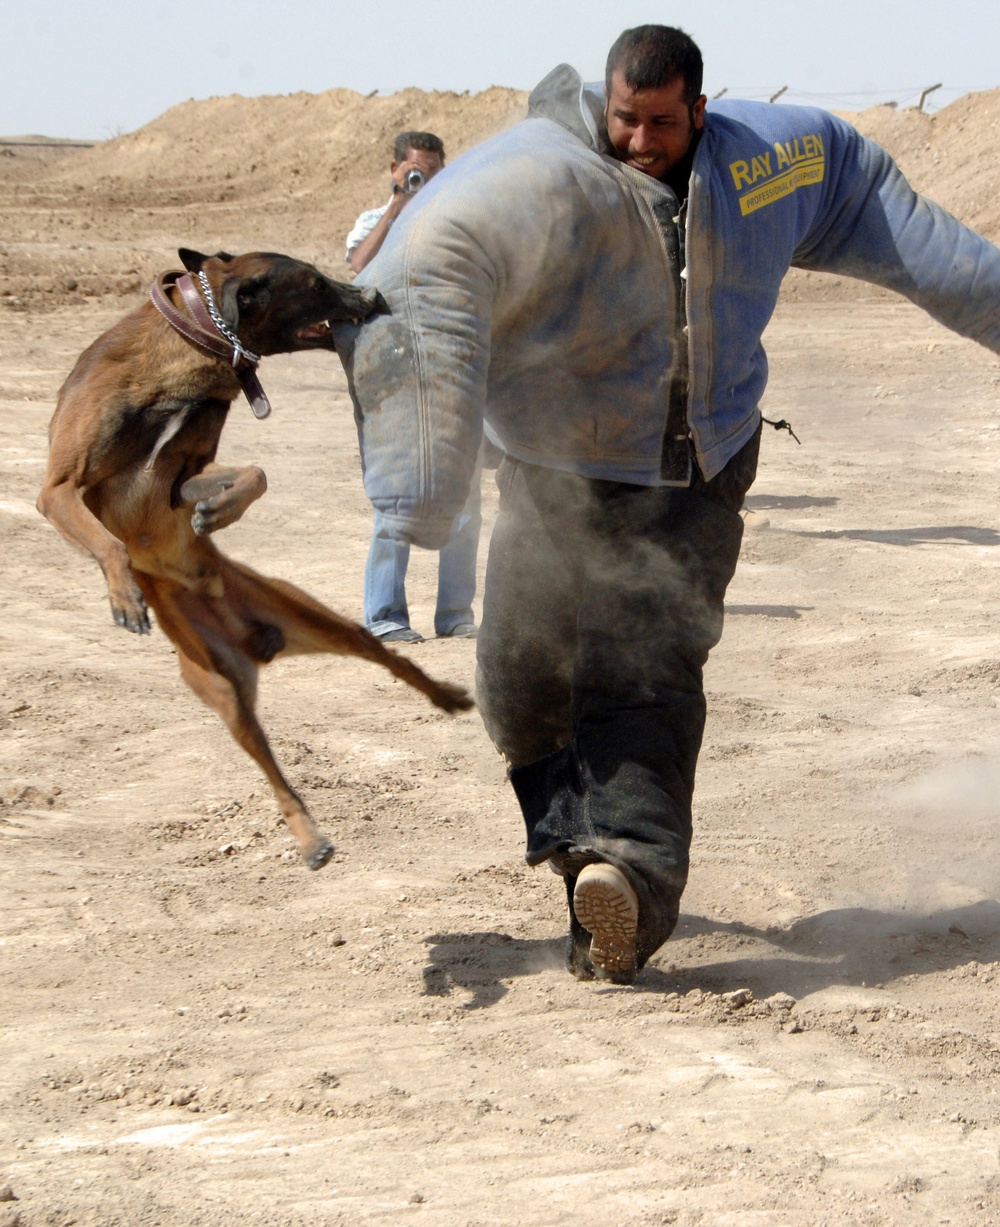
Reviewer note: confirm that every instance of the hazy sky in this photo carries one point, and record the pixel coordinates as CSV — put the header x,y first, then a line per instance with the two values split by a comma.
x,y
96,68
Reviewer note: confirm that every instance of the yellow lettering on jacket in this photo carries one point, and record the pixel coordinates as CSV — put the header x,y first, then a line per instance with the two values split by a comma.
x,y
761,167
797,163
741,174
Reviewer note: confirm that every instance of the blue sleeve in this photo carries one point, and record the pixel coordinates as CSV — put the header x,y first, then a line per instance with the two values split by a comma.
x,y
878,229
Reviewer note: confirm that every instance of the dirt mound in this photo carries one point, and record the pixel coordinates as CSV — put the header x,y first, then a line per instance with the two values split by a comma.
x,y
950,156
324,152
287,173
292,172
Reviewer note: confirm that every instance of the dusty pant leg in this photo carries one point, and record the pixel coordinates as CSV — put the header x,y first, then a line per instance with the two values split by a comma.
x,y
651,610
527,643
639,706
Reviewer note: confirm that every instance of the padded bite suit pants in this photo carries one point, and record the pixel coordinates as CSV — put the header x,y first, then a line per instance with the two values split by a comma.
x,y
601,604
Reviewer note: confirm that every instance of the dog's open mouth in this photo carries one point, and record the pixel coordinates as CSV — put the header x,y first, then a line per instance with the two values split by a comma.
x,y
321,332
314,332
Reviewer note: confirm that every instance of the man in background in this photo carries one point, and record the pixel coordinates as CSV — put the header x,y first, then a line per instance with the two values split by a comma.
x,y
420,152
417,158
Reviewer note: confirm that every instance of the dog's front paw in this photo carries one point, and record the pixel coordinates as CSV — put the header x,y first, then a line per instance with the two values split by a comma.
x,y
201,521
217,512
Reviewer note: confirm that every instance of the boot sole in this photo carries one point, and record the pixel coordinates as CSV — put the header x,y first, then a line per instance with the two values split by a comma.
x,y
606,905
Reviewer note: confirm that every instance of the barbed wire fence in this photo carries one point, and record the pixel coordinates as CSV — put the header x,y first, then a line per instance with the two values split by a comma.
x,y
929,98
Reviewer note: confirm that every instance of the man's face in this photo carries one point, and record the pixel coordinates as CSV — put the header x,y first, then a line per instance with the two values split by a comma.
x,y
424,160
651,129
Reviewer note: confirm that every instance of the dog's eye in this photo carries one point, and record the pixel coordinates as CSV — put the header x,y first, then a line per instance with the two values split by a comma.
x,y
252,295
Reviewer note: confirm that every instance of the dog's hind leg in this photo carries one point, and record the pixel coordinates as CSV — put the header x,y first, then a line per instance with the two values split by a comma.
x,y
223,674
236,709
308,626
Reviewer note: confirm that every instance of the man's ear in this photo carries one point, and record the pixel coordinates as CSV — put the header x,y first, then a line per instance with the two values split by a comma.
x,y
193,260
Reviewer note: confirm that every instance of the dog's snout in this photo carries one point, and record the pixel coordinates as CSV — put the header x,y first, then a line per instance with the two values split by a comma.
x,y
372,302
355,302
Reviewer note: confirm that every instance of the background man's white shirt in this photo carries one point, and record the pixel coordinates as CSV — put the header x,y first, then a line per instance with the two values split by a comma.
x,y
363,227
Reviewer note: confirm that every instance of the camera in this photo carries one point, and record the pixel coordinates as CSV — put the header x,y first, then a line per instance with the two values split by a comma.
x,y
414,181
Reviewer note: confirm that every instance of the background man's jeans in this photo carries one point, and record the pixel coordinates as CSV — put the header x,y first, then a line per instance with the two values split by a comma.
x,y
385,573
602,603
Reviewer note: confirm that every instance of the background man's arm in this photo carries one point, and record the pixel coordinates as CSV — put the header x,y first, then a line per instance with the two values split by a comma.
x,y
371,244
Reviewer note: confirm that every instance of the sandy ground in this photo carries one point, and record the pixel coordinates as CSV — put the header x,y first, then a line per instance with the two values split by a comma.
x,y
196,1031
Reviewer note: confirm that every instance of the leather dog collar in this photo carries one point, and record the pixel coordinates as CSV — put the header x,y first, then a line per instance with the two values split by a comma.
x,y
204,334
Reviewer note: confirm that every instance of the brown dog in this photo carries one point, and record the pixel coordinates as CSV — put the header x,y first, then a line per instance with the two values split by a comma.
x,y
132,479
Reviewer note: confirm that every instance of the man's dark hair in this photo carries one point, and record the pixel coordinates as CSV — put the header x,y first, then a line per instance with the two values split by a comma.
x,y
426,141
649,57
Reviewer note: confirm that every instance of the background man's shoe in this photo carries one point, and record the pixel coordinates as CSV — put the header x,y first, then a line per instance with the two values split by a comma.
x,y
465,630
607,907
403,634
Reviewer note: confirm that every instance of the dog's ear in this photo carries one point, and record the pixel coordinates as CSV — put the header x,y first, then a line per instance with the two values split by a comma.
x,y
193,260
